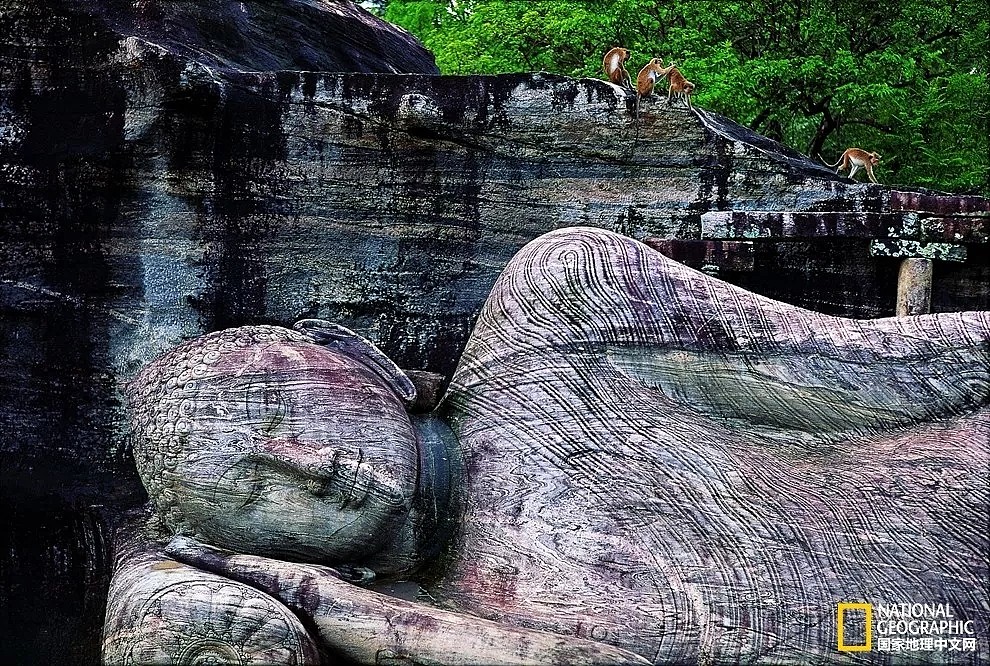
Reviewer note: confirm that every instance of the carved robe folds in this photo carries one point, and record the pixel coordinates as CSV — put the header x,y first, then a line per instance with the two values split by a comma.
x,y
648,459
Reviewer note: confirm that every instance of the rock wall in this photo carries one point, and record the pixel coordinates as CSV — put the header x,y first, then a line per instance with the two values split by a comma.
x,y
71,271
390,203
170,168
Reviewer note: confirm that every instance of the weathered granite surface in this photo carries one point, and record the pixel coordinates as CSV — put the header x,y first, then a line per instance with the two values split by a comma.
x,y
170,168
634,463
669,464
66,230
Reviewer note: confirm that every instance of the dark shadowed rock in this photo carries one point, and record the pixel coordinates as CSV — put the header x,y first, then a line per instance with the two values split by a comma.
x,y
234,35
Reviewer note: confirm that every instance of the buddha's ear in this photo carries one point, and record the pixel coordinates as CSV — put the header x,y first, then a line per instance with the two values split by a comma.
x,y
347,342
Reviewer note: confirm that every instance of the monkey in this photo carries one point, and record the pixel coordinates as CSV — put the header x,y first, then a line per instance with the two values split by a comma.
x,y
678,85
647,79
648,76
615,68
853,159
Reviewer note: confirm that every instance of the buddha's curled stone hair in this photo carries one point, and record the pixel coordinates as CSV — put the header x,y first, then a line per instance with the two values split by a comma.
x,y
160,400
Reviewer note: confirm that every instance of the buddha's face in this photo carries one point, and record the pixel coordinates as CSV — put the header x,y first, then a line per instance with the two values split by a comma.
x,y
293,451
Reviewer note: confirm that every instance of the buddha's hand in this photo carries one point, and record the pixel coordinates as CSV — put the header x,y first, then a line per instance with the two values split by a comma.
x,y
372,628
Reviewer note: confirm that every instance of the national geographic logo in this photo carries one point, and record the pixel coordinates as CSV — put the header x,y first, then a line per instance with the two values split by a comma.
x,y
868,623
905,627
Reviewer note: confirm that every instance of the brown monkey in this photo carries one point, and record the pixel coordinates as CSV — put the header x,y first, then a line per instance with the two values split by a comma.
x,y
678,85
648,76
614,62
853,159
647,80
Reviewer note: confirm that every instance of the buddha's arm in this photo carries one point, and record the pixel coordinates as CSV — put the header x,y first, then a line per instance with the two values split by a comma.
x,y
369,627
160,611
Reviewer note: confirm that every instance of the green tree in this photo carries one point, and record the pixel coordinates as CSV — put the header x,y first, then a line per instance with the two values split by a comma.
x,y
907,78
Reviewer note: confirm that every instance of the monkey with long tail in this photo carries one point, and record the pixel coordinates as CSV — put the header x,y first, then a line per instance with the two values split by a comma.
x,y
647,81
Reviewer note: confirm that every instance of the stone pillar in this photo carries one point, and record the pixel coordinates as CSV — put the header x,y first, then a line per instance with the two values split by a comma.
x,y
914,281
914,287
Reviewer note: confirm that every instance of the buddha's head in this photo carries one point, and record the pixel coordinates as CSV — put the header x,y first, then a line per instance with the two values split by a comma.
x,y
259,440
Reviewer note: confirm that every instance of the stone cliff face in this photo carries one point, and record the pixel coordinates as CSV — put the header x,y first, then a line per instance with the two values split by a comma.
x,y
169,168
390,203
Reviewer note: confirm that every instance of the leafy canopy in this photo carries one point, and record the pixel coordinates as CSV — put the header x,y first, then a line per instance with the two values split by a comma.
x,y
906,78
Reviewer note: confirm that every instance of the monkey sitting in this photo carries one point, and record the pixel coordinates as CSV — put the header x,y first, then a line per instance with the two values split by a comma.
x,y
647,79
648,76
678,85
615,68
853,159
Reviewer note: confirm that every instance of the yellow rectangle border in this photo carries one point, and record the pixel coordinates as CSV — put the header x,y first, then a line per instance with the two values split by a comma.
x,y
840,613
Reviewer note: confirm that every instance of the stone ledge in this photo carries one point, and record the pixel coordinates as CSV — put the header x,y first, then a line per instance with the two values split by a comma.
x,y
907,249
794,225
939,204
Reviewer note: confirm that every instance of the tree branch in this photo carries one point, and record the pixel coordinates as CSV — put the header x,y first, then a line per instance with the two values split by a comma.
x,y
761,118
827,125
948,32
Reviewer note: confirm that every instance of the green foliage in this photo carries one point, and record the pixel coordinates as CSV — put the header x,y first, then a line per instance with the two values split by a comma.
x,y
907,78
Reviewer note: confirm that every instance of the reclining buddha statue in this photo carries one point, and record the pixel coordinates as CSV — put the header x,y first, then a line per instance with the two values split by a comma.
x,y
634,462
